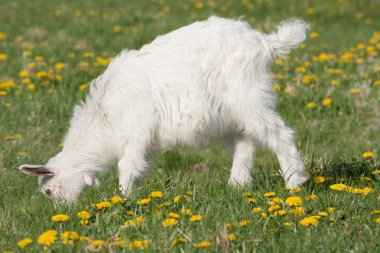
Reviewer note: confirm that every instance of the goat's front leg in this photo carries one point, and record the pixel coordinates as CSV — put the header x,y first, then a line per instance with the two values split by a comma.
x,y
132,167
242,162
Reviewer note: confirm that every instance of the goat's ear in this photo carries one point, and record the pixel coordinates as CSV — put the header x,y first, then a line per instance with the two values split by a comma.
x,y
91,180
36,170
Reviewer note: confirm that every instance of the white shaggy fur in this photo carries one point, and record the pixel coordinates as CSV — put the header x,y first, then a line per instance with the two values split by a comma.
x,y
204,81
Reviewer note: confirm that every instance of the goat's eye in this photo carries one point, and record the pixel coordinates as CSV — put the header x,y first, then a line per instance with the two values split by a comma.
x,y
48,192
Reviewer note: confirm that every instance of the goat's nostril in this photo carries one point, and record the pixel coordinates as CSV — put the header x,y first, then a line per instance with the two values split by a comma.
x,y
48,192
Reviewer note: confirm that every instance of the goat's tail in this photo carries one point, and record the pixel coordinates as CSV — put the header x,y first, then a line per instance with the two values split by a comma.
x,y
290,33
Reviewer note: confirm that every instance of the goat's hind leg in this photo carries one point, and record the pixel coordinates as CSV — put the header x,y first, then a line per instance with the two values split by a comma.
x,y
272,131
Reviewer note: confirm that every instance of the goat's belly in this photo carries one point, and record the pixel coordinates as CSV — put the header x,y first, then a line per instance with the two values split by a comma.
x,y
190,131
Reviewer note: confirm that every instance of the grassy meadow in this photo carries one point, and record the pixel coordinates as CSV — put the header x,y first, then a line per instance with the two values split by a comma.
x,y
328,92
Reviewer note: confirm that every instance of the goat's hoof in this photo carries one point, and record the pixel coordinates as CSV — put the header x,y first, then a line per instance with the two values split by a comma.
x,y
296,180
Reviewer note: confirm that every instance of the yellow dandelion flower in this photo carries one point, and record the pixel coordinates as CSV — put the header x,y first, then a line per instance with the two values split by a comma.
x,y
279,62
3,93
177,199
375,212
310,11
301,70
359,60
377,220
355,91
297,211
275,200
293,201
338,187
102,61
47,238
83,65
26,81
84,215
139,220
143,201
322,214
231,237
279,213
156,194
347,57
367,190
326,102
376,172
312,197
257,209
314,35
24,242
368,154
69,237
96,245
83,86
141,244
116,28
185,212
199,5
164,204
311,105
309,221
3,57
3,36
59,66
196,217
177,241
264,215
204,244
277,87
128,223
287,224
17,136
174,215
335,71
319,179
330,209
116,199
31,87
243,223
273,208
169,222
120,242
247,194
60,218
295,190
84,238
102,205
84,222
88,55
250,200
269,194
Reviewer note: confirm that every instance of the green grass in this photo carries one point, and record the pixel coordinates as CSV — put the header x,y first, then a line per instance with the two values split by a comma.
x,y
330,138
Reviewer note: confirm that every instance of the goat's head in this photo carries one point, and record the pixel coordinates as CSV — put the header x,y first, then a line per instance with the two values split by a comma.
x,y
60,183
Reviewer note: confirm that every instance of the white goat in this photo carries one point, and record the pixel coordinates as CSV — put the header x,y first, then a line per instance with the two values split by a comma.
x,y
203,81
